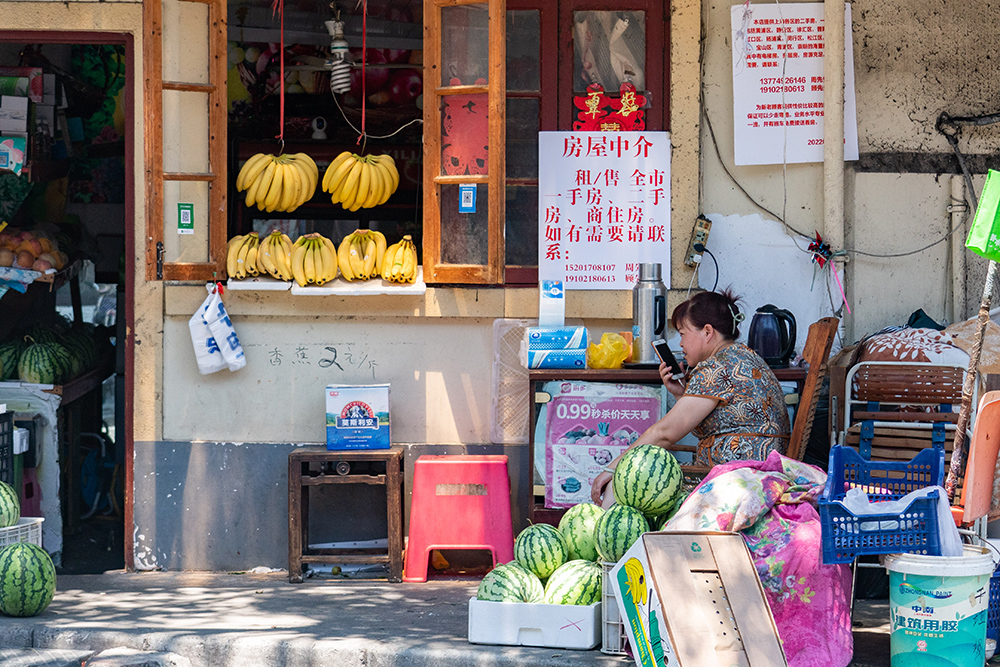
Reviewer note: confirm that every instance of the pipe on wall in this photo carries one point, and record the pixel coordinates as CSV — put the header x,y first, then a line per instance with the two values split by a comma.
x,y
958,211
833,127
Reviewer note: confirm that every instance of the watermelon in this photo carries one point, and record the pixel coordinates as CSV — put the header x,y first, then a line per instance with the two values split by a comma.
x,y
574,582
44,363
617,530
27,579
40,333
9,355
81,347
577,526
647,478
540,549
10,505
510,583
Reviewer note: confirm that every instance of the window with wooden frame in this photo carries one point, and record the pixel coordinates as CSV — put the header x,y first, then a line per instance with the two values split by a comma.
x,y
464,74
554,50
185,99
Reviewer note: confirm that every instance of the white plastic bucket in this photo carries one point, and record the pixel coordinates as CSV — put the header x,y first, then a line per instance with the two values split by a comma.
x,y
937,608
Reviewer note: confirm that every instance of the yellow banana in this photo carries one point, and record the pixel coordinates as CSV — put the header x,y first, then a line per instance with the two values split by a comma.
x,y
265,261
387,257
333,167
390,167
232,251
339,176
362,191
251,262
292,183
298,264
310,262
343,257
263,184
330,260
348,191
355,256
276,254
274,191
251,169
379,250
410,262
310,164
322,262
397,262
386,182
261,268
377,186
369,256
241,257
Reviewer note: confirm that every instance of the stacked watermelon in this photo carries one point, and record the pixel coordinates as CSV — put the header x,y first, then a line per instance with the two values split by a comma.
x,y
576,582
510,583
578,526
27,574
50,354
540,549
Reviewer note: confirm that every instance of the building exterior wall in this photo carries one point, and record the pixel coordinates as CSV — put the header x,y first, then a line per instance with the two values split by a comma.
x,y
210,451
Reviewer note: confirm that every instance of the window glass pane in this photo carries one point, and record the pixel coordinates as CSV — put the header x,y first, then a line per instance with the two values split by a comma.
x,y
464,236
609,48
185,247
522,138
464,134
185,132
465,42
185,51
523,44
522,225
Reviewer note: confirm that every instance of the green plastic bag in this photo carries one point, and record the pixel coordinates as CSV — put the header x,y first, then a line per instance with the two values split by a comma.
x,y
984,236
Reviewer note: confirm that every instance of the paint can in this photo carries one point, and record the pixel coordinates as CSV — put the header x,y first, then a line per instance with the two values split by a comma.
x,y
938,607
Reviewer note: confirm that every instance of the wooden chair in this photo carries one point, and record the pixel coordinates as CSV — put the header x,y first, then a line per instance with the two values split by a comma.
x,y
816,353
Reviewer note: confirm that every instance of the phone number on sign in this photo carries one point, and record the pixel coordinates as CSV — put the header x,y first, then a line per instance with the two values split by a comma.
x,y
779,89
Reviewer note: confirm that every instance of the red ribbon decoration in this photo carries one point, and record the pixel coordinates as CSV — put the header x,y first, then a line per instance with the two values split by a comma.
x,y
279,7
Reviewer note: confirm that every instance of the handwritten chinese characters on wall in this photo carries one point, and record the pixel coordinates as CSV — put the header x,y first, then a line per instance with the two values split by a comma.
x,y
778,82
603,207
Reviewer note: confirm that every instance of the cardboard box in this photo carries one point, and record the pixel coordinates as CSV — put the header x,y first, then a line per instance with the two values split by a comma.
x,y
357,416
715,611
530,624
35,84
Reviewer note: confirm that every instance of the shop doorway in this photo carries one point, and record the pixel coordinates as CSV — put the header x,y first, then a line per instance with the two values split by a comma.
x,y
75,189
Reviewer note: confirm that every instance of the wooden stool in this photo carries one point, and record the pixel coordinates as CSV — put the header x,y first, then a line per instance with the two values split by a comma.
x,y
301,475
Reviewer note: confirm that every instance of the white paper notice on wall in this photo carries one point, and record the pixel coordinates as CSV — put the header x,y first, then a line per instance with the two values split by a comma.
x,y
603,207
778,83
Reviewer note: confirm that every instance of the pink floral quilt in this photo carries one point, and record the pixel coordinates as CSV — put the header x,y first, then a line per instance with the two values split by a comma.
x,y
773,503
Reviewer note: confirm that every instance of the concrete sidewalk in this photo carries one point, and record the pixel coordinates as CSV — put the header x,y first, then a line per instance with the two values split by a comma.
x,y
223,620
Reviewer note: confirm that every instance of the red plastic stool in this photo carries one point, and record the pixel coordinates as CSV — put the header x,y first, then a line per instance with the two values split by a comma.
x,y
459,502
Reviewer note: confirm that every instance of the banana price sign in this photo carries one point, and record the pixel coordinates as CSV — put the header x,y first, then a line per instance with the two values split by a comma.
x,y
603,207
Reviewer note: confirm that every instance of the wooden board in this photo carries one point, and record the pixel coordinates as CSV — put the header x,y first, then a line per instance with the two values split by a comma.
x,y
714,606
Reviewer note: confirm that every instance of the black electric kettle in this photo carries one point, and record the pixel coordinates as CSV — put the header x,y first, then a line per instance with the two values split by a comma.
x,y
772,335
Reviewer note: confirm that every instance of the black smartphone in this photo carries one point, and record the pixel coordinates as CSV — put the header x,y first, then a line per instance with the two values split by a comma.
x,y
667,357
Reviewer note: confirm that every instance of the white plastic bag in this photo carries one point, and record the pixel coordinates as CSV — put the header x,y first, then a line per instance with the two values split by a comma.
x,y
216,345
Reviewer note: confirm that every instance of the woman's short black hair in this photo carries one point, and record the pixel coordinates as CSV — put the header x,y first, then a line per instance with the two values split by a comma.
x,y
716,308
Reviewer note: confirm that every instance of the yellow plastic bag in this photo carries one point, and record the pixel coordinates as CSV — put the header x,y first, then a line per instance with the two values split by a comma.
x,y
611,352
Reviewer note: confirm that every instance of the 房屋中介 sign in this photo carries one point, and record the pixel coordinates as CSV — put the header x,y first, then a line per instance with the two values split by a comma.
x,y
603,207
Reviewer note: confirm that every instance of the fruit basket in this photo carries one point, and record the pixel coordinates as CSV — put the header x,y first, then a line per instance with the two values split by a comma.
x,y
914,530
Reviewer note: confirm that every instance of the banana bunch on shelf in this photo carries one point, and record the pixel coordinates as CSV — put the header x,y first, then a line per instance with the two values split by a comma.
x,y
314,260
400,262
274,256
241,255
278,182
360,254
355,181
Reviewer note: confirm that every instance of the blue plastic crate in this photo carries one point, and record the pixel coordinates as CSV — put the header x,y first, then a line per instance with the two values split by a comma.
x,y
915,530
993,612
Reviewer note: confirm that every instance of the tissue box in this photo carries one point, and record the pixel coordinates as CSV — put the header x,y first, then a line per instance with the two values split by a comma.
x,y
555,338
554,358
357,416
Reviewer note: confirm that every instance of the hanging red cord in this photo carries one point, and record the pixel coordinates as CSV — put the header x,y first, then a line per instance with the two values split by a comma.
x,y
278,6
364,60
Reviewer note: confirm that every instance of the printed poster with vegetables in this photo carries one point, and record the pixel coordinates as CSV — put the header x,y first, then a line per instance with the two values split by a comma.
x,y
587,425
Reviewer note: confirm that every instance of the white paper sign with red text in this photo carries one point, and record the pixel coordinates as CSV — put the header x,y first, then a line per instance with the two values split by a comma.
x,y
603,207
778,109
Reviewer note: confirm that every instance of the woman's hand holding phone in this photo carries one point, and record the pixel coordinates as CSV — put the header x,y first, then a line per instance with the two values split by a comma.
x,y
675,384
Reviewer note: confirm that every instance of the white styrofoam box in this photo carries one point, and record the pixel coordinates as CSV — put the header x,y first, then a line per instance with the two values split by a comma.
x,y
532,624
21,440
15,105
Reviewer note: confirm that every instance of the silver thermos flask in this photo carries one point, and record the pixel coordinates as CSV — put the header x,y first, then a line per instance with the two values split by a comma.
x,y
649,314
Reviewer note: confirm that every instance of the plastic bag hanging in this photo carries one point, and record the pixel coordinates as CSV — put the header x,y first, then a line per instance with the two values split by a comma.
x,y
216,345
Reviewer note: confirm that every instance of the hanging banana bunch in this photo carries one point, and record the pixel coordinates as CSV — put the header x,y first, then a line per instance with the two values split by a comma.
x,y
356,181
278,182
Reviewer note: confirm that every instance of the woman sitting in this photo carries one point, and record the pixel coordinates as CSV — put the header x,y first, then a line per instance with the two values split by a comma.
x,y
730,400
